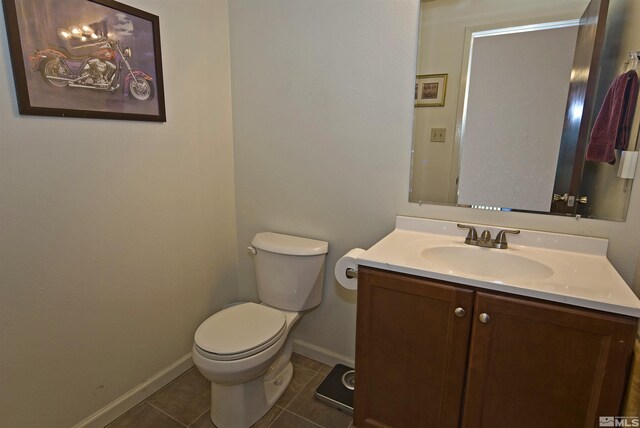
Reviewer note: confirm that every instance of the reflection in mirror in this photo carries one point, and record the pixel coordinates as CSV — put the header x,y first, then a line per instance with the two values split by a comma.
x,y
501,140
503,144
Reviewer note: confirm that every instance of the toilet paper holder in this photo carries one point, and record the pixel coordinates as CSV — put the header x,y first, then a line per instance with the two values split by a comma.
x,y
351,273
346,270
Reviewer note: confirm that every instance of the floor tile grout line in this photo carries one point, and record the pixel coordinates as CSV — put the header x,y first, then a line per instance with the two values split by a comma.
x,y
198,418
167,414
292,399
170,383
299,392
303,418
295,414
274,419
286,408
317,372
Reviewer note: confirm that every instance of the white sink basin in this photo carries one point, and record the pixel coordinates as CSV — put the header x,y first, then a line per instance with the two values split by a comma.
x,y
485,262
556,267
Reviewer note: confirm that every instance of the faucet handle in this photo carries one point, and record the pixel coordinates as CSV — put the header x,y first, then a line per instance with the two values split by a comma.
x,y
472,236
501,238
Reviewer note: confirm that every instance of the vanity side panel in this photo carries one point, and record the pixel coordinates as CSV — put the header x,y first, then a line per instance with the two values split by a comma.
x,y
411,350
539,364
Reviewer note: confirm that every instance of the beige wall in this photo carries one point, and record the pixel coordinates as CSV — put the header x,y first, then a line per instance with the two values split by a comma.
x,y
322,95
322,108
117,238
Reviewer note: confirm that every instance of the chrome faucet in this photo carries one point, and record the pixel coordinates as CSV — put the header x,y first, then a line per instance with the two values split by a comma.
x,y
472,236
485,239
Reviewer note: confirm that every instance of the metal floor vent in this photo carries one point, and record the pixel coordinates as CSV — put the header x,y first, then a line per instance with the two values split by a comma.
x,y
337,388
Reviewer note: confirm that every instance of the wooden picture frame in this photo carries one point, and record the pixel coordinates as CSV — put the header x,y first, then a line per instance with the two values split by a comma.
x,y
431,90
85,58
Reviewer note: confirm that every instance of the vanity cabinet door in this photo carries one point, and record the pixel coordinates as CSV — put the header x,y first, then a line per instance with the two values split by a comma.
x,y
534,364
411,350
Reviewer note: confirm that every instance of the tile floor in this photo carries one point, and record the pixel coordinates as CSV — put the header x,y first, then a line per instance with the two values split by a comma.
x,y
185,402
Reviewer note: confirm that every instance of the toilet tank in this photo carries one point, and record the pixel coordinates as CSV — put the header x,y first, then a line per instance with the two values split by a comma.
x,y
289,270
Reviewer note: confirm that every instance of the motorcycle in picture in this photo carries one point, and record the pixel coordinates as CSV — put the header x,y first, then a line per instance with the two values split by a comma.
x,y
101,69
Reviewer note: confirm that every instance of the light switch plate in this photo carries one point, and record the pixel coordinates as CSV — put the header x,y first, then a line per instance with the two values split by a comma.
x,y
438,135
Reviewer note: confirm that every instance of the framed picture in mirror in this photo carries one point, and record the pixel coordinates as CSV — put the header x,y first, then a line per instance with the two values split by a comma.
x,y
431,90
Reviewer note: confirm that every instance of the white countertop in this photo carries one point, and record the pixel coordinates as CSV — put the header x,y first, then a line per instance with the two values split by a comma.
x,y
563,268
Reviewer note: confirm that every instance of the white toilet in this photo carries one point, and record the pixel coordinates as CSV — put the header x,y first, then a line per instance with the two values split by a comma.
x,y
243,349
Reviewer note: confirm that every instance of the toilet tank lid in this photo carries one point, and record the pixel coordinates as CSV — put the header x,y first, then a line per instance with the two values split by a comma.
x,y
289,245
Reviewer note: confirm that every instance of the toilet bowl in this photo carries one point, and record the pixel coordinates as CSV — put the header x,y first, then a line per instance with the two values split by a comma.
x,y
245,349
249,367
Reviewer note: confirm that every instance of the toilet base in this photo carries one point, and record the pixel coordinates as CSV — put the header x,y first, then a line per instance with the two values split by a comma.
x,y
242,405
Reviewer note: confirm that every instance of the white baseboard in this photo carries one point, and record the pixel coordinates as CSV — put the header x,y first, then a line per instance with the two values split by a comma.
x,y
322,355
126,402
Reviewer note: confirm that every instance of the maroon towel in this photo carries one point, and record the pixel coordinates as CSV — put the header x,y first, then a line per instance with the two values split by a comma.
x,y
611,128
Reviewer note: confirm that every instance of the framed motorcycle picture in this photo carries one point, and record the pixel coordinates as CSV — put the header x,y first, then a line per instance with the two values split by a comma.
x,y
85,58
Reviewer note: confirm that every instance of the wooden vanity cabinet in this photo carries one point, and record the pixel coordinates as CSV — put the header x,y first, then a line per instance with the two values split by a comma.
x,y
411,350
506,362
538,364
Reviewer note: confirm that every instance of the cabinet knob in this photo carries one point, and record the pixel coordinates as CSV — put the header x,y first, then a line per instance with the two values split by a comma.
x,y
460,312
484,318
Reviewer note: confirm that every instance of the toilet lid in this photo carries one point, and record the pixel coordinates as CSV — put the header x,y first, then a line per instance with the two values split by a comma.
x,y
240,331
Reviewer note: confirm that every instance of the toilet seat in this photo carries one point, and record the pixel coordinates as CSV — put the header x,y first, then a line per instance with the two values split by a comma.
x,y
240,331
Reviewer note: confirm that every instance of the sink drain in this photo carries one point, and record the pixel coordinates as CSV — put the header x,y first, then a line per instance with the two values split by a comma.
x,y
349,379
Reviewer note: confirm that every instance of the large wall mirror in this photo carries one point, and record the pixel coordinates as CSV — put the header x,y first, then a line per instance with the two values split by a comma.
x,y
507,103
